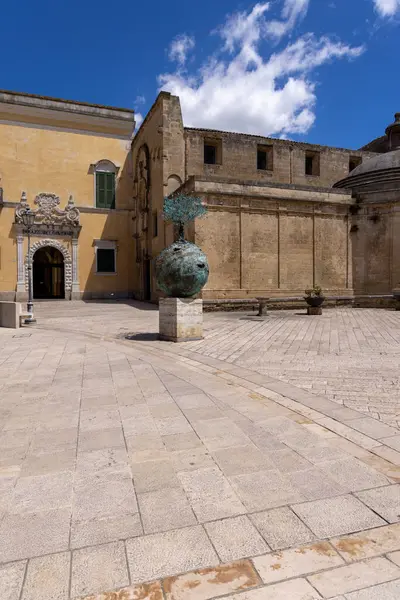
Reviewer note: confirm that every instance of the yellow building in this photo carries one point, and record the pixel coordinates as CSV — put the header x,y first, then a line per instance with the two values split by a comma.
x,y
70,162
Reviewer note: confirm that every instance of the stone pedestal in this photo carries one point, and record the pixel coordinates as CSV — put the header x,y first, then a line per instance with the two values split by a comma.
x,y
314,310
180,319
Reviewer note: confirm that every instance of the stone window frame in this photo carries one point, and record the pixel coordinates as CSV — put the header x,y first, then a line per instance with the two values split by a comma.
x,y
217,144
269,152
315,165
105,245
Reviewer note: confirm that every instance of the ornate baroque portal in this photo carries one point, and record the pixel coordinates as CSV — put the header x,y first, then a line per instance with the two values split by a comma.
x,y
50,222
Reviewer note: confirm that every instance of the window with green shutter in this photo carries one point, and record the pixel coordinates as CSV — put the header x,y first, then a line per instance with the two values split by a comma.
x,y
105,190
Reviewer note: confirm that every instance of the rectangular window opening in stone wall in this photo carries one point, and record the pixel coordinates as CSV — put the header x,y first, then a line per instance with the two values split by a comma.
x,y
155,224
265,158
312,163
106,257
213,152
354,161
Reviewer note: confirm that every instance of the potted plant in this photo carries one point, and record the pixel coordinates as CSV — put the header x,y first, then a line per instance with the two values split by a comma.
x,y
314,296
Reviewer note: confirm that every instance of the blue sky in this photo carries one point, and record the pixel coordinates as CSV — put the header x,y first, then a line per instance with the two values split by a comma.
x,y
322,71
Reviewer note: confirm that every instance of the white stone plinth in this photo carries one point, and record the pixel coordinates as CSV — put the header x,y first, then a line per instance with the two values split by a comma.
x,y
180,319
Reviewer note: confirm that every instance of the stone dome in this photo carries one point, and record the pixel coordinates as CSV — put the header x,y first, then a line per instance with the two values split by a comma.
x,y
382,171
388,160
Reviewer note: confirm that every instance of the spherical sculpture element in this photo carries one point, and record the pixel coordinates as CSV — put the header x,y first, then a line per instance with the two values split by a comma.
x,y
181,270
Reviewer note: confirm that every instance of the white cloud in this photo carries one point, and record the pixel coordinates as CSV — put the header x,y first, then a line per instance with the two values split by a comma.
x,y
180,47
138,120
292,11
387,8
140,100
241,89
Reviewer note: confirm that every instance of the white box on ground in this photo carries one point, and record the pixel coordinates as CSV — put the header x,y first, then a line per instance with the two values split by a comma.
x,y
181,319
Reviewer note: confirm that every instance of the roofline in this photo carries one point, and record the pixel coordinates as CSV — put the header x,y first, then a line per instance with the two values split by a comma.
x,y
62,100
282,141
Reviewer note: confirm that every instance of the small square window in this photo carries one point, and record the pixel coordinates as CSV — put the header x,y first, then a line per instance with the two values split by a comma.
x,y
155,224
265,158
105,258
311,166
354,161
212,152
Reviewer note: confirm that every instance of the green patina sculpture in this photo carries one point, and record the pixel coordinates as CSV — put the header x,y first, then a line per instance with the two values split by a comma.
x,y
182,268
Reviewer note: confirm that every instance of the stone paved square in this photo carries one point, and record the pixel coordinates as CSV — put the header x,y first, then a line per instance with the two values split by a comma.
x,y
143,460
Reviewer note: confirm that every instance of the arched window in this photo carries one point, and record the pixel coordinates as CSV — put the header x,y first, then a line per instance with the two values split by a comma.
x,y
105,174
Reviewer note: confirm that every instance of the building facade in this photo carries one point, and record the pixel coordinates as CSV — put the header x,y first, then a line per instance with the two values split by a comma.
x,y
282,215
70,162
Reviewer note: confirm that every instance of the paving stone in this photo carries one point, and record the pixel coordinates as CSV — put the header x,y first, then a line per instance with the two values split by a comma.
x,y
48,577
335,516
57,440
287,461
314,484
11,579
165,411
297,589
142,456
102,461
322,453
241,459
98,569
173,425
373,428
99,439
294,562
139,426
220,433
104,495
165,509
33,534
395,557
388,454
181,441
210,494
145,591
191,460
352,474
392,442
105,529
170,553
150,441
202,413
42,492
153,475
95,419
354,577
385,591
264,489
192,400
367,544
385,501
235,538
281,528
205,584
49,463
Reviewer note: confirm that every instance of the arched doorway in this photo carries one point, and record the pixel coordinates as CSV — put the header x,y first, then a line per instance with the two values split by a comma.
x,y
48,273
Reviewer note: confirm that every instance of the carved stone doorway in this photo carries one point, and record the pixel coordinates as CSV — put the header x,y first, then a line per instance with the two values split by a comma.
x,y
48,273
